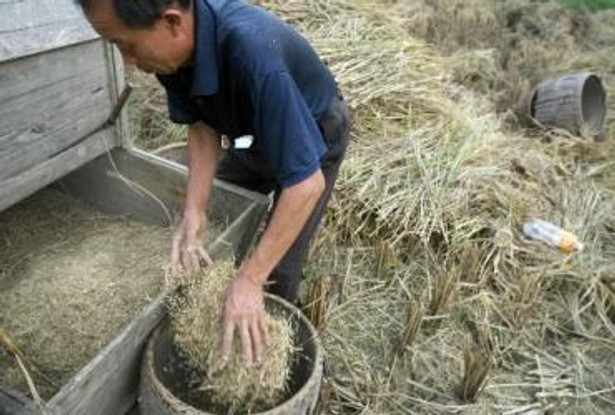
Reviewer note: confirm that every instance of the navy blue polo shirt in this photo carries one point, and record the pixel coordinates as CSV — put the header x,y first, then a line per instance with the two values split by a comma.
x,y
254,75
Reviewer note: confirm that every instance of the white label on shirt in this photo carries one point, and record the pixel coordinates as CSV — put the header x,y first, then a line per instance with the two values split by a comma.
x,y
244,142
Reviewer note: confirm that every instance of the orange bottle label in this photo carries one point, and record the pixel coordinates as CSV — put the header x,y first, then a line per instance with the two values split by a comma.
x,y
568,243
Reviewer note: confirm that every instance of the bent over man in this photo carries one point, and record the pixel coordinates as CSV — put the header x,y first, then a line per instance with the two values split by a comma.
x,y
233,69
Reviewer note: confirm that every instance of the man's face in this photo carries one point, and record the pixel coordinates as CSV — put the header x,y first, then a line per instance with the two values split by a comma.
x,y
162,48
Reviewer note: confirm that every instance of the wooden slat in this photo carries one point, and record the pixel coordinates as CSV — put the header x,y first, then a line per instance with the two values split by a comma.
x,y
225,197
18,187
32,26
147,175
50,101
107,385
117,83
13,403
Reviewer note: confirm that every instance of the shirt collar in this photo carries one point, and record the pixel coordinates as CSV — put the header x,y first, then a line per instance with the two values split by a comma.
x,y
205,76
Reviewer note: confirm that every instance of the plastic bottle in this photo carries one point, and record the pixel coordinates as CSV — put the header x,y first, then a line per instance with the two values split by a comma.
x,y
552,235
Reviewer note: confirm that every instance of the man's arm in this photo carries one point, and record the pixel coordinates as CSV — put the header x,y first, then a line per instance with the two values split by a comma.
x,y
203,155
244,305
293,209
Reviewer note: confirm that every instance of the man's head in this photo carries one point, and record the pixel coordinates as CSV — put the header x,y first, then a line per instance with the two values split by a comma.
x,y
155,35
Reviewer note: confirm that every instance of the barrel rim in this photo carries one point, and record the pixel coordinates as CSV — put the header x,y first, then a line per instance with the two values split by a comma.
x,y
600,125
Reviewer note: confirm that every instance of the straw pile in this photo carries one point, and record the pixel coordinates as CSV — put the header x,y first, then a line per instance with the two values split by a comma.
x,y
70,280
502,48
149,125
438,304
236,388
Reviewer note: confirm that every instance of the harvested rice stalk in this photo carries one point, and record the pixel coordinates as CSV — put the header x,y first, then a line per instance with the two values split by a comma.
x,y
414,319
442,285
317,301
195,317
478,362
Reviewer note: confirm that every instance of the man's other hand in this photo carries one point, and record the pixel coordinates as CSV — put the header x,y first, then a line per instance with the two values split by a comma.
x,y
187,251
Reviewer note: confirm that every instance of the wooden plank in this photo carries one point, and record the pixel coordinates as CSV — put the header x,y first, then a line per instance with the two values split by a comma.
x,y
107,385
13,403
117,82
151,175
240,236
18,187
225,197
50,101
119,192
33,26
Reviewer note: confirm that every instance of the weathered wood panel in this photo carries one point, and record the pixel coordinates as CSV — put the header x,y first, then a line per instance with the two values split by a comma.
x,y
20,186
149,175
32,26
49,101
107,385
13,403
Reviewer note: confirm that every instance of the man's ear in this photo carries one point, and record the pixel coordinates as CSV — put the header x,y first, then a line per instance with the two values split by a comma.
x,y
175,20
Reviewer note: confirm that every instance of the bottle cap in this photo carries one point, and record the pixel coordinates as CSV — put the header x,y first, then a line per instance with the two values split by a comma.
x,y
569,243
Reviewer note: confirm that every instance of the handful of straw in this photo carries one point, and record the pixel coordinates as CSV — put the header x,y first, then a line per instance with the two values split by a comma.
x,y
195,316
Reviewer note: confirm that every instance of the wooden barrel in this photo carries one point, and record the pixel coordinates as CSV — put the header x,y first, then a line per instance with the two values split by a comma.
x,y
160,361
570,103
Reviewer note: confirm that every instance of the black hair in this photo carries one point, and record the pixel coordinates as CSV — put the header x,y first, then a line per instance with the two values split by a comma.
x,y
138,14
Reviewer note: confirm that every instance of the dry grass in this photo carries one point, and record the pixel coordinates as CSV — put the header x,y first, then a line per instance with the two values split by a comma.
x,y
317,301
150,127
70,280
422,240
414,319
195,314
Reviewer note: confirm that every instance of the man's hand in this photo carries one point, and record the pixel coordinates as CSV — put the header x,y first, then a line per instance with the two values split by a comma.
x,y
243,308
244,312
187,251
203,151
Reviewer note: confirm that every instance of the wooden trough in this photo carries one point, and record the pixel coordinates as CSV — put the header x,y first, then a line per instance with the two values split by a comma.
x,y
59,85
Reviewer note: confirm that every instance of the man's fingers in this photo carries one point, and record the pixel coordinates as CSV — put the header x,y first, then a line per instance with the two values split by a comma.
x,y
257,341
184,261
194,260
227,339
246,342
262,326
175,251
190,259
205,256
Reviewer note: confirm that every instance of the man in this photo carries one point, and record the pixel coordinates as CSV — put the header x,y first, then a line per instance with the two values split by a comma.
x,y
230,68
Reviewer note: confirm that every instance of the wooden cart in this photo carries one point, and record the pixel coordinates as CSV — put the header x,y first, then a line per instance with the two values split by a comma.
x,y
59,84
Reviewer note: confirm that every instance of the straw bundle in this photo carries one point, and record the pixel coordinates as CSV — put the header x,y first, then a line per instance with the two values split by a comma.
x,y
195,314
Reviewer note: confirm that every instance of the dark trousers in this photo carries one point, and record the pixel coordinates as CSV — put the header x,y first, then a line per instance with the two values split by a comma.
x,y
248,170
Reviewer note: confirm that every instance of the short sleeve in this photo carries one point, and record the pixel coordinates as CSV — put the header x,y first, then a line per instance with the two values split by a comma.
x,y
286,132
182,108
